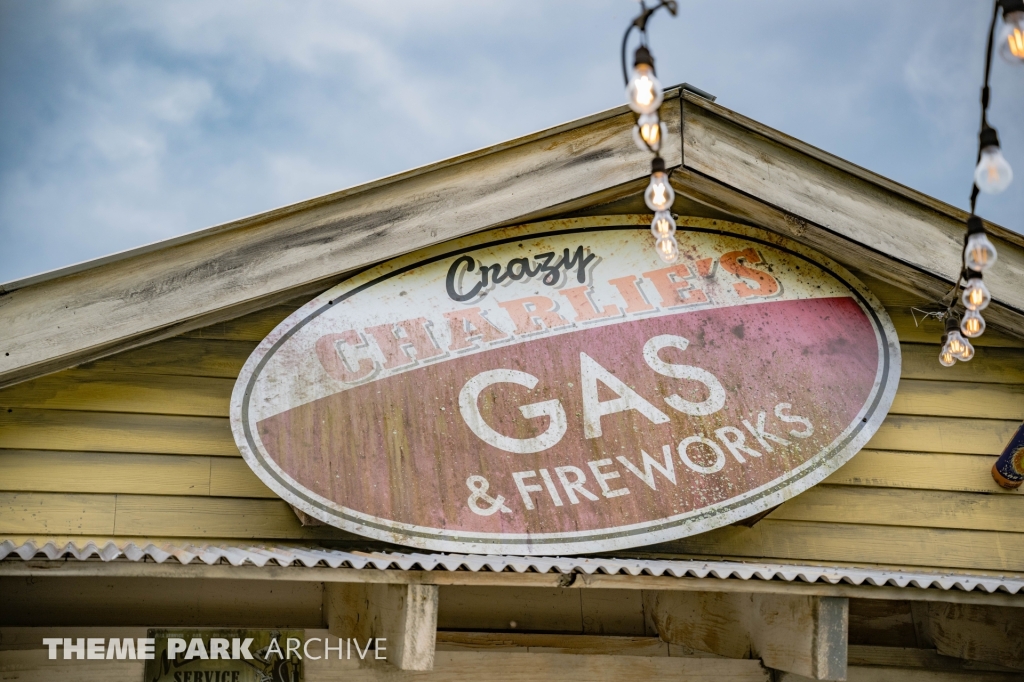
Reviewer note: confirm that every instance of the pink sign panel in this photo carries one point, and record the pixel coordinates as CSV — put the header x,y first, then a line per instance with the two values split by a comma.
x,y
555,388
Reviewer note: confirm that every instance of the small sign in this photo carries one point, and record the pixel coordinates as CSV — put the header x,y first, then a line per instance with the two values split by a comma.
x,y
225,656
555,388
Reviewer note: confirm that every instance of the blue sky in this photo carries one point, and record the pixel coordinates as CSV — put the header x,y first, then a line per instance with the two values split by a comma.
x,y
125,123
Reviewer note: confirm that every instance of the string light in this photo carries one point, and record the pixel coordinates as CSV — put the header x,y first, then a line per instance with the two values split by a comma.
x,y
643,92
973,324
992,175
976,296
1011,37
644,96
979,253
668,249
659,195
649,132
663,225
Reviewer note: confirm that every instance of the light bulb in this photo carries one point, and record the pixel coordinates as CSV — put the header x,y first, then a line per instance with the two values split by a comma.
x,y
1011,38
979,253
993,173
946,357
976,295
659,195
967,353
956,343
649,132
973,324
667,248
644,93
663,225
959,346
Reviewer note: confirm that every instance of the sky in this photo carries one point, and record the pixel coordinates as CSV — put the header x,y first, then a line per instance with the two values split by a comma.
x,y
124,123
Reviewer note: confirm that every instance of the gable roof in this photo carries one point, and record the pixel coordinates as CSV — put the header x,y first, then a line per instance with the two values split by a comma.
x,y
719,158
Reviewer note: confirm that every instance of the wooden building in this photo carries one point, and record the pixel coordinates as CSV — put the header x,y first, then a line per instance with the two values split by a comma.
x,y
125,503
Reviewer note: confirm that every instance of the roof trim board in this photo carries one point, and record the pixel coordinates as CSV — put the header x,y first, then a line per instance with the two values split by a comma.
x,y
85,312
56,323
740,166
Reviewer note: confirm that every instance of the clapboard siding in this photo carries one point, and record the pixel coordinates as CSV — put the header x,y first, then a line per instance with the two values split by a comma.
x,y
105,472
31,429
180,356
203,517
138,445
918,470
854,544
943,434
887,507
123,392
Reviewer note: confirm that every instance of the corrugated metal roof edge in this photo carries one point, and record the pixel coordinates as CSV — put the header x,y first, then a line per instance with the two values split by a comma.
x,y
309,557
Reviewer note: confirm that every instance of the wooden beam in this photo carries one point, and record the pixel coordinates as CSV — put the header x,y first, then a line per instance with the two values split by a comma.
x,y
58,321
978,633
889,222
404,616
805,635
197,570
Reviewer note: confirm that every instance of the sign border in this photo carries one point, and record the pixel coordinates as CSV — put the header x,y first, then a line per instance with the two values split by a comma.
x,y
811,472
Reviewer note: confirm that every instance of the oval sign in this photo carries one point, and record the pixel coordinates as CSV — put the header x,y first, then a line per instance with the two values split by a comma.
x,y
555,388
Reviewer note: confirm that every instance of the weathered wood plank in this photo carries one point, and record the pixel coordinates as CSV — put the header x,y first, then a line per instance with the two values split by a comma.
x,y
803,635
921,470
553,643
482,608
834,194
473,666
75,602
231,265
990,365
612,612
212,517
959,399
859,544
720,197
913,327
23,638
123,392
252,327
102,472
33,665
27,429
181,356
930,331
232,477
943,434
884,507
899,657
405,616
56,514
888,674
988,634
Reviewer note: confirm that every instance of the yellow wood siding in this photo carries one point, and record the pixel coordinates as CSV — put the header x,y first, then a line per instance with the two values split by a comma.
x,y
138,445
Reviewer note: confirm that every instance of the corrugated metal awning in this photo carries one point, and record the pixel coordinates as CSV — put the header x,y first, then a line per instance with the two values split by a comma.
x,y
283,555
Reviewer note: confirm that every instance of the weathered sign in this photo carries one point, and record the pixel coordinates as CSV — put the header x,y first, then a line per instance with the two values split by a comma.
x,y
555,388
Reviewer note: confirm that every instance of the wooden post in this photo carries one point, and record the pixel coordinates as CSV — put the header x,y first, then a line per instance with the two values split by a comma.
x,y
805,635
404,615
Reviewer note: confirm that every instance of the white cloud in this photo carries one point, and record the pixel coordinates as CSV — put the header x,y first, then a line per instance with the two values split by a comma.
x,y
129,122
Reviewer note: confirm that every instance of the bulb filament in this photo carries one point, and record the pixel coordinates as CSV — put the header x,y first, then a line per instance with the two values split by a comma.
x,y
644,91
1016,41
